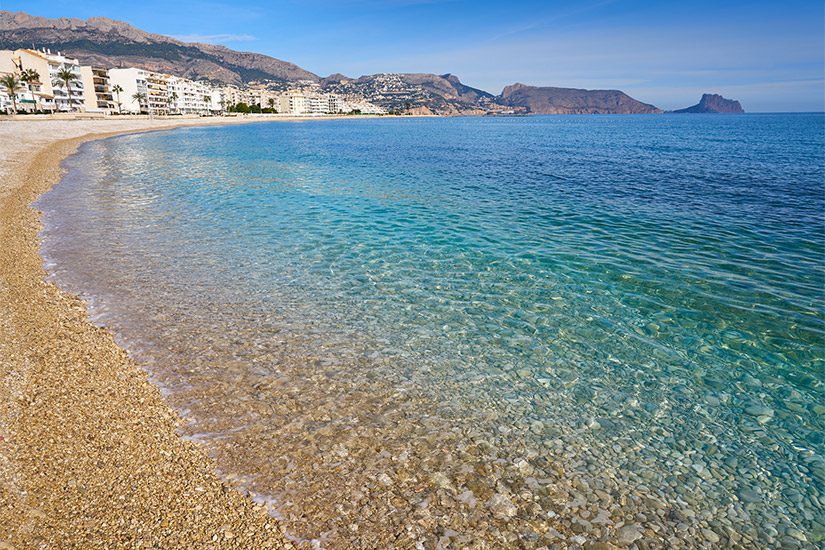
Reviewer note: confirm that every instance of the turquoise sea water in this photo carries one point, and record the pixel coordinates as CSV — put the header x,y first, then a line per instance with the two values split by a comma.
x,y
501,331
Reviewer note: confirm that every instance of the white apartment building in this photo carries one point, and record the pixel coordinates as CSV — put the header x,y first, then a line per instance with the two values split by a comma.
x,y
132,81
317,104
293,103
151,86
65,98
187,97
217,104
5,102
309,103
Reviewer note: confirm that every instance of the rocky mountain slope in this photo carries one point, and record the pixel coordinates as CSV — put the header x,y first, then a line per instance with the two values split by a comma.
x,y
714,103
101,41
564,101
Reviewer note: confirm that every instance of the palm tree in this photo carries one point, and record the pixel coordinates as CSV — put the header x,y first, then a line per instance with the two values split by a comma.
x,y
31,77
140,97
12,83
64,78
173,102
207,99
271,102
117,89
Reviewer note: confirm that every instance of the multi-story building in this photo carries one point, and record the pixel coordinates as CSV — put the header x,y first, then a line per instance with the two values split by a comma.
x,y
294,103
310,103
68,94
317,104
48,92
232,95
97,93
217,104
133,84
188,97
5,102
157,93
334,104
26,97
263,97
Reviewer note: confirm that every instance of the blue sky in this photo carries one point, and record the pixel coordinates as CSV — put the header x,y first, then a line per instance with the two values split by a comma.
x,y
769,55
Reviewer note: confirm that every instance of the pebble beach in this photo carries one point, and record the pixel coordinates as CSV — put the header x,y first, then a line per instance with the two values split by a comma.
x,y
89,453
403,364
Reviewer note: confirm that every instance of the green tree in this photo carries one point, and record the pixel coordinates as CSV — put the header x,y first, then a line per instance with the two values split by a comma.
x,y
117,89
208,100
174,97
64,78
140,97
12,84
271,102
31,77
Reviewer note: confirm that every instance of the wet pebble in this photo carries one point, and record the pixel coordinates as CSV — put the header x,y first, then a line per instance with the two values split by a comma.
x,y
501,507
628,534
749,495
759,410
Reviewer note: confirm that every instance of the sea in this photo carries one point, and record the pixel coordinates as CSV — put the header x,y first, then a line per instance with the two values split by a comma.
x,y
521,332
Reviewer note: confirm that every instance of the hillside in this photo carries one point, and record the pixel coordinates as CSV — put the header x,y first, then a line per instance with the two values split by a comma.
x,y
101,41
714,103
443,94
566,101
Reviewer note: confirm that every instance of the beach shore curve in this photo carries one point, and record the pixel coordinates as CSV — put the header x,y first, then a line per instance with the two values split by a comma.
x,y
89,452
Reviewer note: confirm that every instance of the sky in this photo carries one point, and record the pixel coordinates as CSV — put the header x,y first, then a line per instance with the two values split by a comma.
x,y
768,55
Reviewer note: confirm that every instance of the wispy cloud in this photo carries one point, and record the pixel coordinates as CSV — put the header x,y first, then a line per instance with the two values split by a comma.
x,y
216,38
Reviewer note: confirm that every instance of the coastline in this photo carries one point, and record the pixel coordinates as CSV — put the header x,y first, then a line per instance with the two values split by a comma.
x,y
89,452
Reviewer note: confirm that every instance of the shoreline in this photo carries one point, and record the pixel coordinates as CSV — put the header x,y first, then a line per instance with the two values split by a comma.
x,y
90,455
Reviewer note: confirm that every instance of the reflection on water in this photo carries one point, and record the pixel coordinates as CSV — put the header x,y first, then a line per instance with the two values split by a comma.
x,y
507,332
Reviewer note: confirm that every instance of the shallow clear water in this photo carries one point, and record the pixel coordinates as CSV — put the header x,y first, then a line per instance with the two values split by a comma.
x,y
511,331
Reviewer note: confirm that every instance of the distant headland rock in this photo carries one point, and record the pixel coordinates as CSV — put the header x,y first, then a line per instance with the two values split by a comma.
x,y
565,101
714,103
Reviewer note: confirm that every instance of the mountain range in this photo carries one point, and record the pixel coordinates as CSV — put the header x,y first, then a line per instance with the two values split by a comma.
x,y
108,43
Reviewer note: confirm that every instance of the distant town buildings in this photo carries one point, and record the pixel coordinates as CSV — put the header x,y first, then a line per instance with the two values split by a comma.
x,y
51,82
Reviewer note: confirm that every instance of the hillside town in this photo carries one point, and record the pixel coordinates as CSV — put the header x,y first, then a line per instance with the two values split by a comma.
x,y
33,81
